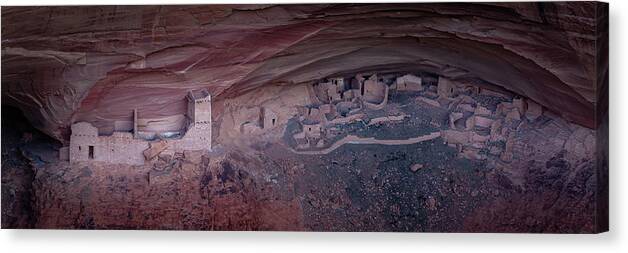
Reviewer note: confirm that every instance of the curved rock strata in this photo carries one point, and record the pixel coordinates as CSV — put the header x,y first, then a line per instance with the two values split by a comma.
x,y
97,63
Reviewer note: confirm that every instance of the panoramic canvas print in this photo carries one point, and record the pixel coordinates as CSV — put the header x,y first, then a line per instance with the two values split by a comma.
x,y
414,117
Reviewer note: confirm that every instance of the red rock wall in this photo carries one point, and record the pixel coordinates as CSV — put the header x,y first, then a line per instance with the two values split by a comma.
x,y
66,64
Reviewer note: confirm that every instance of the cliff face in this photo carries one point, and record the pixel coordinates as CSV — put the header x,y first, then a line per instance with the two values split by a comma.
x,y
66,64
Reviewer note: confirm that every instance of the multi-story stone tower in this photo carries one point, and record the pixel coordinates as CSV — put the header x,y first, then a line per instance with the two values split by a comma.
x,y
200,119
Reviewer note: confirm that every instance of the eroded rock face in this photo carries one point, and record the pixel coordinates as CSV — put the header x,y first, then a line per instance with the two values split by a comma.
x,y
66,64
224,193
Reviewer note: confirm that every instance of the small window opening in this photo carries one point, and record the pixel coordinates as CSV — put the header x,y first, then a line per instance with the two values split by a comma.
x,y
91,152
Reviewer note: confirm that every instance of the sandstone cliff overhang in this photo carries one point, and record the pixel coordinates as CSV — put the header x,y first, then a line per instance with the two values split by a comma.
x,y
92,63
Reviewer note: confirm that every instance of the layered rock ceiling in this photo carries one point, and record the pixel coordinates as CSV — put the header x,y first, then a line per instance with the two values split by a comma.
x,y
67,64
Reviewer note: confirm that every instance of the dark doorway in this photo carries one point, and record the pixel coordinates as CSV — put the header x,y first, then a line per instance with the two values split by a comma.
x,y
91,152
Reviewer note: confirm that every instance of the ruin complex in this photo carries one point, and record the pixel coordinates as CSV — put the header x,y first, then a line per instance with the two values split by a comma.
x,y
126,147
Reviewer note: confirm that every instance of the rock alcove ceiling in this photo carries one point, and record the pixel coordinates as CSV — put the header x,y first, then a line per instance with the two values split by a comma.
x,y
96,63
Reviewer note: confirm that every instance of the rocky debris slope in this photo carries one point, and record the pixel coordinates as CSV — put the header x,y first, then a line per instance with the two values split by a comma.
x,y
92,63
551,185
187,191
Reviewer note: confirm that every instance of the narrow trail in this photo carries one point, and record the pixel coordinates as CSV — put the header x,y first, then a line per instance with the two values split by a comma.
x,y
352,139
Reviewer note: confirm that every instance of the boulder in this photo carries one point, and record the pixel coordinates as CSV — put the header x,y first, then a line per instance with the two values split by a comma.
x,y
416,167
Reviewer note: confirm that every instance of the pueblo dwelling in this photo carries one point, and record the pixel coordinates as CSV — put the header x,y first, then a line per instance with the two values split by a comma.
x,y
134,147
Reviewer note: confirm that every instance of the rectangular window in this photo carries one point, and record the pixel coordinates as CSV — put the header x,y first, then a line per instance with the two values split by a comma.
x,y
91,152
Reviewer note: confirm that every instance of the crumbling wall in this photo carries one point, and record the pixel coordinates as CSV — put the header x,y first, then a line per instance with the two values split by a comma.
x,y
374,91
375,94
446,87
283,101
269,118
409,82
86,145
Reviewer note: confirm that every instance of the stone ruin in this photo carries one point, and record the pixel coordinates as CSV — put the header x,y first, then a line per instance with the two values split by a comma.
x,y
136,147
339,101
409,82
474,130
260,120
